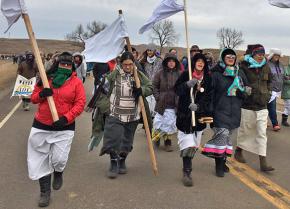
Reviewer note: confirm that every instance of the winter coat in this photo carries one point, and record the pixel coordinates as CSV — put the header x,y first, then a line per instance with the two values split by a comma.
x,y
152,69
163,86
260,81
286,84
81,69
277,73
69,99
26,70
184,116
226,110
147,90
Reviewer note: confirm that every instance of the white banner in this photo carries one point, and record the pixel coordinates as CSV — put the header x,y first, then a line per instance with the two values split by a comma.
x,y
165,9
108,44
23,86
280,3
12,10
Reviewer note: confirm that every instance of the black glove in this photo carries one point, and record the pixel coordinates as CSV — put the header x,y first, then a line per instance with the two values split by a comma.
x,y
46,92
84,79
60,123
240,94
137,92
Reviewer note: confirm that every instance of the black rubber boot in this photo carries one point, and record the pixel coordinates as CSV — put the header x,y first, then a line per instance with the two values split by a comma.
x,y
263,164
168,145
122,163
45,184
114,167
284,120
187,168
219,167
226,168
57,180
239,155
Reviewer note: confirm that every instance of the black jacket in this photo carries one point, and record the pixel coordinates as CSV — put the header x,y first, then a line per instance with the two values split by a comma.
x,y
226,110
183,121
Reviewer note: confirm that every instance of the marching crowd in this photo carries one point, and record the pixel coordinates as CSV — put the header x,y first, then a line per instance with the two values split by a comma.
x,y
226,94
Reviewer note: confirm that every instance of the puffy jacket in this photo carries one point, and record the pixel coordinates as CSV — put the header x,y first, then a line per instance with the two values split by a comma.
x,y
81,69
26,70
70,100
277,72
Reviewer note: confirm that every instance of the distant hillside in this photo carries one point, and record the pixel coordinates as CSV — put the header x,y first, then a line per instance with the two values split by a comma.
x,y
19,46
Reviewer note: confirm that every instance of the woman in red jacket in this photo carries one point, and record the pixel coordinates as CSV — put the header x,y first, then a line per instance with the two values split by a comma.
x,y
49,142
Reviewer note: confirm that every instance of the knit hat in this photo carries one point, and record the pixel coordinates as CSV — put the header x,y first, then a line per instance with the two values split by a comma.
x,y
195,48
225,52
258,49
151,47
273,52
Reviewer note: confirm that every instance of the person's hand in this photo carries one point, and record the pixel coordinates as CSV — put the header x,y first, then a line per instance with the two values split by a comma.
x,y
193,107
60,123
137,92
46,92
248,90
191,83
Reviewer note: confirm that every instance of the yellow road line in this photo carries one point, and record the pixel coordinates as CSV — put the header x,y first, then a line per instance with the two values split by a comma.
x,y
2,123
272,192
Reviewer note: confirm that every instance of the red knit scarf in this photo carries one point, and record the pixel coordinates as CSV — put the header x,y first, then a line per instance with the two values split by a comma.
x,y
197,74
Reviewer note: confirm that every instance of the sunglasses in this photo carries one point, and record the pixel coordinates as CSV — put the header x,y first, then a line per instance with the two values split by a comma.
x,y
230,56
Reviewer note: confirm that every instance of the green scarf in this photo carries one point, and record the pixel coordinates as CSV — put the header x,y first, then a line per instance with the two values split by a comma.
x,y
237,84
60,76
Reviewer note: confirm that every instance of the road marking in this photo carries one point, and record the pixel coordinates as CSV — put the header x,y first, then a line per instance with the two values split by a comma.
x,y
272,192
10,114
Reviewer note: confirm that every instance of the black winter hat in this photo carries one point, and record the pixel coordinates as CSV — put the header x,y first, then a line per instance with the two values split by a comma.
x,y
170,56
197,57
226,52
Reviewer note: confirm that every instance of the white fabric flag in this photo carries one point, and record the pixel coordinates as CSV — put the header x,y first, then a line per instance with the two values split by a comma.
x,y
280,3
107,44
12,10
165,9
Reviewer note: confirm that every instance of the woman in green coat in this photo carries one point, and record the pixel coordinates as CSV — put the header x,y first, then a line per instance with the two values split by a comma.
x,y
286,96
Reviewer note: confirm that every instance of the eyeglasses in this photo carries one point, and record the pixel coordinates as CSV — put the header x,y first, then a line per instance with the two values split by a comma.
x,y
230,57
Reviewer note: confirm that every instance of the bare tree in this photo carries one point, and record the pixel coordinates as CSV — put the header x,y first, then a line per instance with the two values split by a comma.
x,y
164,34
80,35
230,38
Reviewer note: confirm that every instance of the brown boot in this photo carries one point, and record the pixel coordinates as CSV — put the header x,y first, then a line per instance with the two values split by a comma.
x,y
239,155
263,164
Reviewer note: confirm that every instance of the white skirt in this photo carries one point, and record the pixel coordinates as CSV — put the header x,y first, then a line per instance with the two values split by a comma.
x,y
166,122
151,103
252,135
189,140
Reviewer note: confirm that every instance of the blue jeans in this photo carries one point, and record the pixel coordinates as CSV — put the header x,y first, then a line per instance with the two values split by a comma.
x,y
272,112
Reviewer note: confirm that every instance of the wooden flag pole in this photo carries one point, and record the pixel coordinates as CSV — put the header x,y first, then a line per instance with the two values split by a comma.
x,y
143,112
189,59
39,64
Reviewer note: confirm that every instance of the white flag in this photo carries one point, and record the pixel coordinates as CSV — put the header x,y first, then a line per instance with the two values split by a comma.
x,y
280,3
12,10
165,9
107,44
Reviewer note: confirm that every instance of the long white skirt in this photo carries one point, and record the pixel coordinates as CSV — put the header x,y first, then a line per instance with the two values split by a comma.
x,y
252,135
286,107
189,140
166,122
47,152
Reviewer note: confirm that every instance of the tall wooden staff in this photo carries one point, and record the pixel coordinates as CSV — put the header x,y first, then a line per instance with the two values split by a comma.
x,y
189,60
39,64
145,120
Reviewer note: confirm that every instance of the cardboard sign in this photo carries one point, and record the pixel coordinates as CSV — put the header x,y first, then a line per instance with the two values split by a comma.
x,y
23,86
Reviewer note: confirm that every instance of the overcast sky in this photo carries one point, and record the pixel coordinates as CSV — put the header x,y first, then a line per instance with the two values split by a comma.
x,y
257,19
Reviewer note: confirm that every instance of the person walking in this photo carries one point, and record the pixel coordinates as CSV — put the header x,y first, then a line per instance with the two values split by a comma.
x,y
286,96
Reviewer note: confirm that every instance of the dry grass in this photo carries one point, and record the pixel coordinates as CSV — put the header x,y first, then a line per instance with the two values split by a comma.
x,y
7,74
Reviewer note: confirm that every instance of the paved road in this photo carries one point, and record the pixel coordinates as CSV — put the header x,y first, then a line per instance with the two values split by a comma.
x,y
86,187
